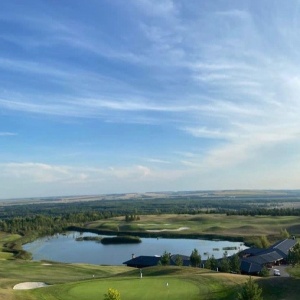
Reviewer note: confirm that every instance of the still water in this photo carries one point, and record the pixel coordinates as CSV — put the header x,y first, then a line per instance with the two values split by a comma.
x,y
64,248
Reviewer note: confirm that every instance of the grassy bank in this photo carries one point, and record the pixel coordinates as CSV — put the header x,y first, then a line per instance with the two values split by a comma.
x,y
183,283
76,282
207,226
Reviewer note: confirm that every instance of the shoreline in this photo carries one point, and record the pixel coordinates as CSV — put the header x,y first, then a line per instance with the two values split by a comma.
x,y
161,234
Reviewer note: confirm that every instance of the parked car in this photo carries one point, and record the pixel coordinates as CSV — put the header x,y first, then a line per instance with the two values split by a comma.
x,y
276,272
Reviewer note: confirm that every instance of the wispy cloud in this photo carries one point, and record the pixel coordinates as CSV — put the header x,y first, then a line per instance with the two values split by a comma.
x,y
7,133
157,161
163,8
236,13
45,173
222,83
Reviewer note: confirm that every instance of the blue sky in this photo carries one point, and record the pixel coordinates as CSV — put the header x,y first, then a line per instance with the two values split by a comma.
x,y
118,96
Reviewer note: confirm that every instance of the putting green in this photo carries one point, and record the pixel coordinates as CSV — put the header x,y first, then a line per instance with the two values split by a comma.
x,y
130,289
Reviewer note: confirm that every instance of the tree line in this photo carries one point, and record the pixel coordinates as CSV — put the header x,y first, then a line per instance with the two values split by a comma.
x,y
176,205
43,224
228,264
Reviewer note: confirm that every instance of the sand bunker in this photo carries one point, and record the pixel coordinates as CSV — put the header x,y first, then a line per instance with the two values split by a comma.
x,y
161,230
29,285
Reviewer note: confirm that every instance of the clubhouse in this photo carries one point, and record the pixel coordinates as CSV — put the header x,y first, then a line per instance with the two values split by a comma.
x,y
253,260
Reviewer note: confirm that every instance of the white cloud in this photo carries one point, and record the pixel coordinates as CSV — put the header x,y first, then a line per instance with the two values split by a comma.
x,y
236,13
36,172
7,133
158,161
222,75
35,179
160,8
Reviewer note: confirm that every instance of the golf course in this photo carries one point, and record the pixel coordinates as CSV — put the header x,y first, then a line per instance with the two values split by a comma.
x,y
241,228
83,281
90,282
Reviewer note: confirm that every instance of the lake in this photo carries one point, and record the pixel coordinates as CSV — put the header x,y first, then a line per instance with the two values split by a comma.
x,y
64,248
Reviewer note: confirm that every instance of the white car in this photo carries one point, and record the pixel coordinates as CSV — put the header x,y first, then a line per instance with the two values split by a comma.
x,y
276,272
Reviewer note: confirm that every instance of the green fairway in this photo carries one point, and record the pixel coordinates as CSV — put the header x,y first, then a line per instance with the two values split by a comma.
x,y
183,283
91,282
146,288
159,283
5,238
202,225
13,272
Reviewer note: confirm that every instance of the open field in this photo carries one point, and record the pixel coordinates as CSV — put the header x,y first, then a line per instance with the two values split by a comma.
x,y
202,225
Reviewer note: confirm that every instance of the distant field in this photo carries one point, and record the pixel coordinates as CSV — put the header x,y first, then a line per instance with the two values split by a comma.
x,y
261,195
203,225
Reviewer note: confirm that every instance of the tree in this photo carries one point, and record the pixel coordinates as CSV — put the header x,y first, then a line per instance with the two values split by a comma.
x,y
178,260
225,265
294,255
208,264
250,291
165,259
264,241
264,272
211,263
235,264
284,233
195,258
112,294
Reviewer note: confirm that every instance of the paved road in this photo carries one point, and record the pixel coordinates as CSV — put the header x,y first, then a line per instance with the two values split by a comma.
x,y
282,269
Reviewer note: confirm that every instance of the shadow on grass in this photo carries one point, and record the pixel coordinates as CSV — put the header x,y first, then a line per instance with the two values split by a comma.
x,y
280,288
165,271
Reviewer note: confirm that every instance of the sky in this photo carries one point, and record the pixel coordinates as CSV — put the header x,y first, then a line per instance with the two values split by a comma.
x,y
115,96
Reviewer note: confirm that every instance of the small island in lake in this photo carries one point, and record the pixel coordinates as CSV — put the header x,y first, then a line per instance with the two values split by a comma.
x,y
121,240
89,238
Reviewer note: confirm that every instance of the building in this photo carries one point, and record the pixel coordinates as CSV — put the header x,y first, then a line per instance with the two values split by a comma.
x,y
148,261
253,259
142,261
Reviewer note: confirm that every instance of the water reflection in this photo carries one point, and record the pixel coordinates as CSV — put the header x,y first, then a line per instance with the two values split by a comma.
x,y
65,248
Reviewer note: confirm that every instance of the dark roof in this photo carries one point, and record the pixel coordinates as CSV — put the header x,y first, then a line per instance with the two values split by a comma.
x,y
285,245
250,267
250,251
278,251
143,261
265,258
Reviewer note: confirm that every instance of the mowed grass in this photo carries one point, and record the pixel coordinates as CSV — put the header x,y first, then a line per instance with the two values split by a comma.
x,y
5,238
183,283
13,272
147,288
205,224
